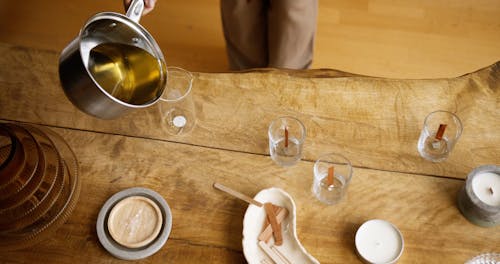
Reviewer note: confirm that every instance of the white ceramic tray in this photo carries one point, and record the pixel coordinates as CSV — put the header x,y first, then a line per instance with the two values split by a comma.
x,y
252,227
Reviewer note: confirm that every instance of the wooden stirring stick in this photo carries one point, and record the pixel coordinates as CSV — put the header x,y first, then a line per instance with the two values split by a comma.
x,y
286,137
271,216
440,132
237,194
267,249
330,176
265,261
278,218
280,254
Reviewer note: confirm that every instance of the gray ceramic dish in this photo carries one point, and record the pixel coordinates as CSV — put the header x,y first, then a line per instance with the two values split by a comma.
x,y
120,251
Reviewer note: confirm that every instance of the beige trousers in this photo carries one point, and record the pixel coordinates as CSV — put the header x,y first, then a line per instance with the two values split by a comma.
x,y
269,33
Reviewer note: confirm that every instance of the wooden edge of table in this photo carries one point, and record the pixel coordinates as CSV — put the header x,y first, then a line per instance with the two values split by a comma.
x,y
334,73
305,73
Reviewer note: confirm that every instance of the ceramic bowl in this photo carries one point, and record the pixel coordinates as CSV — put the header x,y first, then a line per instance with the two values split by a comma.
x,y
253,223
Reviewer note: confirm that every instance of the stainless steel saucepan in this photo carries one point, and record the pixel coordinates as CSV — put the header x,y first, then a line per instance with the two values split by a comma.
x,y
113,65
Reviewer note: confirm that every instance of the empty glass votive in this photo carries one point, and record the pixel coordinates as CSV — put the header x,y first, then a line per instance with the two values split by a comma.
x,y
441,131
331,191
286,139
177,109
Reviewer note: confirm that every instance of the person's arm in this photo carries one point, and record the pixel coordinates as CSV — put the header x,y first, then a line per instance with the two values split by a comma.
x,y
149,5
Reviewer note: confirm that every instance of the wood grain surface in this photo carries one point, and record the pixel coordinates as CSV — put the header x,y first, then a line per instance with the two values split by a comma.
x,y
207,223
374,122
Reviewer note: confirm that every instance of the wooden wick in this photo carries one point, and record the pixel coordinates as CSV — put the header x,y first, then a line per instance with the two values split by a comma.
x,y
237,194
491,190
286,137
271,216
330,176
268,231
440,132
277,210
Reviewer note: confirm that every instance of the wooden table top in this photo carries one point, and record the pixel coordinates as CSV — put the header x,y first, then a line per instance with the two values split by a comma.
x,y
374,122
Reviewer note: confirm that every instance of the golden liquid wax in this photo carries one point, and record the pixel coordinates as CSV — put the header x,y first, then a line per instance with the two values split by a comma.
x,y
128,73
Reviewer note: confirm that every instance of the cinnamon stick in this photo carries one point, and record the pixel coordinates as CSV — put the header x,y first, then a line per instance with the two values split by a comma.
x,y
440,132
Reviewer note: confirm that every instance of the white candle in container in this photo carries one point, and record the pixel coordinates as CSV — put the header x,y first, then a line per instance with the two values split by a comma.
x,y
479,199
378,241
486,186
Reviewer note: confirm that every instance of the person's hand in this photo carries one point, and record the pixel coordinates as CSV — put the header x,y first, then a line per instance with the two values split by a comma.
x,y
149,5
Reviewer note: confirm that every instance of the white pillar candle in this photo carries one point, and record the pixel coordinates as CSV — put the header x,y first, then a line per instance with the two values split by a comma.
x,y
378,241
486,186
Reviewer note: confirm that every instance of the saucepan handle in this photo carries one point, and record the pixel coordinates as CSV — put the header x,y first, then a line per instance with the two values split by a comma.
x,y
135,9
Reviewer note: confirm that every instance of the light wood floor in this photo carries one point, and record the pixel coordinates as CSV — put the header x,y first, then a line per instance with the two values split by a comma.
x,y
400,39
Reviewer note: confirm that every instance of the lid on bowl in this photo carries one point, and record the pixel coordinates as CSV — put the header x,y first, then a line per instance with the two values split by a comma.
x,y
135,221
122,205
